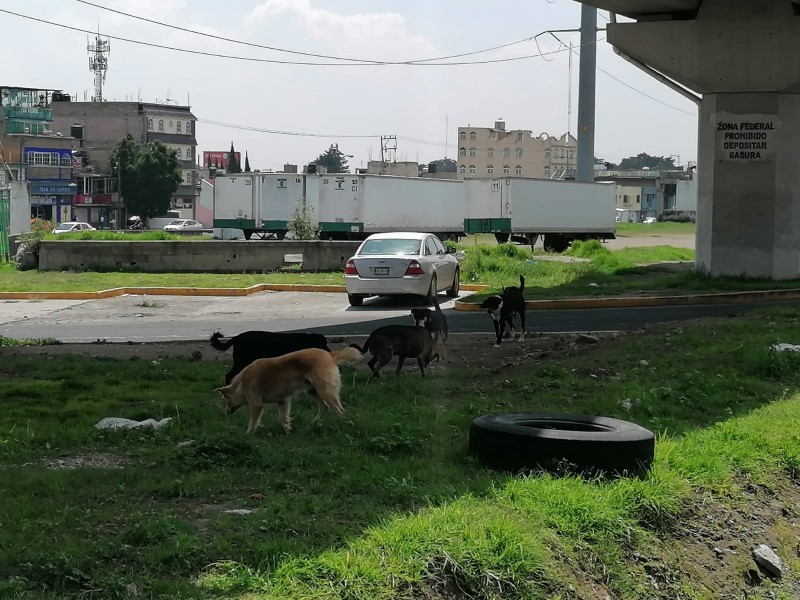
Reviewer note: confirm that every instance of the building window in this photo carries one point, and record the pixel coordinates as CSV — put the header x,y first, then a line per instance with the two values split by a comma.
x,y
472,169
519,151
472,152
518,170
149,124
188,127
490,152
506,169
178,127
178,152
547,170
189,152
506,151
170,125
572,153
462,135
161,125
462,169
637,198
66,160
473,135
626,199
490,169
547,152
462,151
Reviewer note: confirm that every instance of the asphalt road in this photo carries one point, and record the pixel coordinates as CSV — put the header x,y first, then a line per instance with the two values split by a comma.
x,y
175,318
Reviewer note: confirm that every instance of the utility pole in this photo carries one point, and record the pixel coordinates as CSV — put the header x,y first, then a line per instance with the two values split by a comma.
x,y
586,94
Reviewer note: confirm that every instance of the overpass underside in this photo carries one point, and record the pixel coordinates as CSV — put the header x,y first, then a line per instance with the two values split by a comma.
x,y
743,58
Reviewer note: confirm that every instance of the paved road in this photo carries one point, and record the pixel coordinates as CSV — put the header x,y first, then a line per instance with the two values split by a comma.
x,y
173,318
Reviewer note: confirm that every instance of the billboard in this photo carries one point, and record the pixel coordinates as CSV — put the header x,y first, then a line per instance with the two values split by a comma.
x,y
219,159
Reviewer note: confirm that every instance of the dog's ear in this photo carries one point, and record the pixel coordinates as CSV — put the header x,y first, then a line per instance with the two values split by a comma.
x,y
225,390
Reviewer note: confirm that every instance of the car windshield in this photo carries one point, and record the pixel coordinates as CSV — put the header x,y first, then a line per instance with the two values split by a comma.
x,y
390,246
176,222
64,227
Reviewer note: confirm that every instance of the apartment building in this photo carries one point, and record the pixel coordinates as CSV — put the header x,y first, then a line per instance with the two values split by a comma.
x,y
34,151
496,151
102,125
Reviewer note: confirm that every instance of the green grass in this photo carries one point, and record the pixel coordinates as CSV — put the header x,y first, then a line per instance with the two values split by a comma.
x,y
605,273
12,280
16,342
107,236
384,502
640,229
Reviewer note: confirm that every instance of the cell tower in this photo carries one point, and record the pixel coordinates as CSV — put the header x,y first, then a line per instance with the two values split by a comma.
x,y
98,63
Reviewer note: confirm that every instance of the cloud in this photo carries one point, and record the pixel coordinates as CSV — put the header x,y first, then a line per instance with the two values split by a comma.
x,y
379,35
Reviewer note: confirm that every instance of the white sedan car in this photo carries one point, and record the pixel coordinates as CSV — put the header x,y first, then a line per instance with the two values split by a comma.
x,y
72,227
183,225
387,264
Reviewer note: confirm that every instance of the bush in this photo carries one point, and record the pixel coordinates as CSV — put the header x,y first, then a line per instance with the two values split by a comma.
x,y
587,249
675,216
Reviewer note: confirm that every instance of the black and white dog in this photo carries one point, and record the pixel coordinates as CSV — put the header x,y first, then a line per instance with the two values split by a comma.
x,y
503,307
434,321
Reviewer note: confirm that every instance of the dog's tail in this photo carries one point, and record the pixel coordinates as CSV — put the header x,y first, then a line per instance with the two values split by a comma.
x,y
359,348
216,344
351,354
521,283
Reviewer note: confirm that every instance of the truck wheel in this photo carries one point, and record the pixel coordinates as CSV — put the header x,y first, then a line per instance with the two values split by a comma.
x,y
452,291
248,233
501,238
555,242
588,444
355,299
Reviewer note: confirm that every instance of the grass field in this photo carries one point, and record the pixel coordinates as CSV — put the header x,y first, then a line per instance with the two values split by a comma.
x,y
640,229
385,502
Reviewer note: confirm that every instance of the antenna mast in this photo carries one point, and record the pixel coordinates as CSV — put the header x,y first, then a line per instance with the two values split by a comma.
x,y
98,63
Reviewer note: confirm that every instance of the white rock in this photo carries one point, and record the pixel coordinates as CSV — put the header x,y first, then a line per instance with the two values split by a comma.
x,y
768,560
786,347
120,423
239,511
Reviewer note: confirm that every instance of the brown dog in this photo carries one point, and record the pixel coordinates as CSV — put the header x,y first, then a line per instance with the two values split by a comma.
x,y
278,380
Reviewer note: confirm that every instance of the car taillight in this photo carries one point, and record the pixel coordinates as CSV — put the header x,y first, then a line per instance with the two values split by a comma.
x,y
350,268
414,268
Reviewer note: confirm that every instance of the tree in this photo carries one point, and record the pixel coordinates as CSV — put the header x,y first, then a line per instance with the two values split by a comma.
x,y
246,163
445,165
233,164
644,160
147,176
333,159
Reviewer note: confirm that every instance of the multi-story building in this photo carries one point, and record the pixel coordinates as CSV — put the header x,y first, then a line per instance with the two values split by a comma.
x,y
36,152
102,125
495,151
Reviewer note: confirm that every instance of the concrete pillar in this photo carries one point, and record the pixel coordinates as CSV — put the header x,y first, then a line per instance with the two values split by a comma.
x,y
744,57
584,168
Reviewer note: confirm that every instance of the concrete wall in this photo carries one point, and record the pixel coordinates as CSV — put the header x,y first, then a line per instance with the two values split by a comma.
x,y
686,196
208,257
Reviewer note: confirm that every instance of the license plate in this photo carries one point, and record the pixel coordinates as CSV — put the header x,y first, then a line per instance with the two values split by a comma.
x,y
381,270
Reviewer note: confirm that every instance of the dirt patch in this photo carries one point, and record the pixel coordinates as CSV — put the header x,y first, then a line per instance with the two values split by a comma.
x,y
470,351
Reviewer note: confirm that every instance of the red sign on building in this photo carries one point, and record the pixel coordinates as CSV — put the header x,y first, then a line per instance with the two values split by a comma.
x,y
219,159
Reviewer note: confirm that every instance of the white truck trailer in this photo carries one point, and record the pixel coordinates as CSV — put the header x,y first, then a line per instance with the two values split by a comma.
x,y
355,206
524,209
257,203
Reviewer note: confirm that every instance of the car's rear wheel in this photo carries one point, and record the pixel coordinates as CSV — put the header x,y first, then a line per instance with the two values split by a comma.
x,y
430,297
452,291
355,299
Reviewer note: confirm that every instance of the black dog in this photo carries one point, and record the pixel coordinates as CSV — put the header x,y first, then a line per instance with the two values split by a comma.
x,y
252,345
434,321
502,308
403,341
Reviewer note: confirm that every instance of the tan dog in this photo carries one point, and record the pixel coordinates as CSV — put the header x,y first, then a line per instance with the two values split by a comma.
x,y
278,380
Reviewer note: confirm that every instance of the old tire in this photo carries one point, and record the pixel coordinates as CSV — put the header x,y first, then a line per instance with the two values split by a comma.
x,y
452,291
355,299
586,444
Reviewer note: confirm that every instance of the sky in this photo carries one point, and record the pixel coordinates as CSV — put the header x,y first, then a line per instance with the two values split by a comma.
x,y
345,104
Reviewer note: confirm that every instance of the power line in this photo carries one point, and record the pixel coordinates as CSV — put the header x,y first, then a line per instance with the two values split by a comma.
x,y
638,91
281,132
325,56
284,62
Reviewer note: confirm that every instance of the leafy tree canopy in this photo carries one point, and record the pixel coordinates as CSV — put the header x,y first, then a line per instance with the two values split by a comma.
x,y
333,159
644,160
146,176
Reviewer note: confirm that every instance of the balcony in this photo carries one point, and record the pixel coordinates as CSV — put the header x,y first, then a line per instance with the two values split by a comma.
x,y
32,113
29,127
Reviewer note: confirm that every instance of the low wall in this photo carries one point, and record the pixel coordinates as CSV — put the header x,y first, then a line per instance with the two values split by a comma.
x,y
207,257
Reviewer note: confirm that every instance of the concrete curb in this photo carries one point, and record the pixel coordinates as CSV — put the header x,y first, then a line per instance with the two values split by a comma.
x,y
642,301
187,291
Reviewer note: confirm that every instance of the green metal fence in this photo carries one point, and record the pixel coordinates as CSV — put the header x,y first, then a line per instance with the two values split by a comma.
x,y
5,224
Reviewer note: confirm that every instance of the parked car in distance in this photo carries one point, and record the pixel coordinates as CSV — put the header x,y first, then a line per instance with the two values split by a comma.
x,y
396,263
183,225
649,220
71,227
